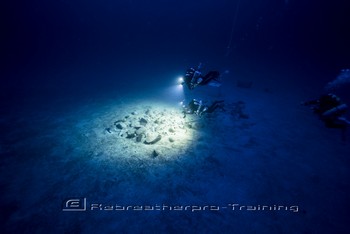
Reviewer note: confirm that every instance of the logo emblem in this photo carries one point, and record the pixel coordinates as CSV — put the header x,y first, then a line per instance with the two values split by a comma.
x,y
74,204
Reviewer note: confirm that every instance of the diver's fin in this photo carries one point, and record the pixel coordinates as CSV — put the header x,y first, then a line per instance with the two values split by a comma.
x,y
214,83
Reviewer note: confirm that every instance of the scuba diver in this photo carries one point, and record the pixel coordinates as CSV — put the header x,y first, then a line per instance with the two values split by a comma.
x,y
194,77
197,107
331,111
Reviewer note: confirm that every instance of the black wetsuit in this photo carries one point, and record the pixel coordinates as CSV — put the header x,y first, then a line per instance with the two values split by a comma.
x,y
212,75
214,106
327,107
196,107
193,76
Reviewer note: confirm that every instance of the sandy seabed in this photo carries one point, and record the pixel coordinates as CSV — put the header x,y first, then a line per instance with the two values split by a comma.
x,y
250,154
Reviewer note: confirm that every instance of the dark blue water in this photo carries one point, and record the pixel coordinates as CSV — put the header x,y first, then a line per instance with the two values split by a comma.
x,y
65,61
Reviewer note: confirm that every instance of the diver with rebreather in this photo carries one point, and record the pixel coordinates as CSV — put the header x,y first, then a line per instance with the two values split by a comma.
x,y
329,107
194,77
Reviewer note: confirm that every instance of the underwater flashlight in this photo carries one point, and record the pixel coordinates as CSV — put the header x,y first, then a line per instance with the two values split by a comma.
x,y
181,80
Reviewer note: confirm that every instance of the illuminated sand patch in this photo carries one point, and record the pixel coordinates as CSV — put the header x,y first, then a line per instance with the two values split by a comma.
x,y
147,130
128,132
